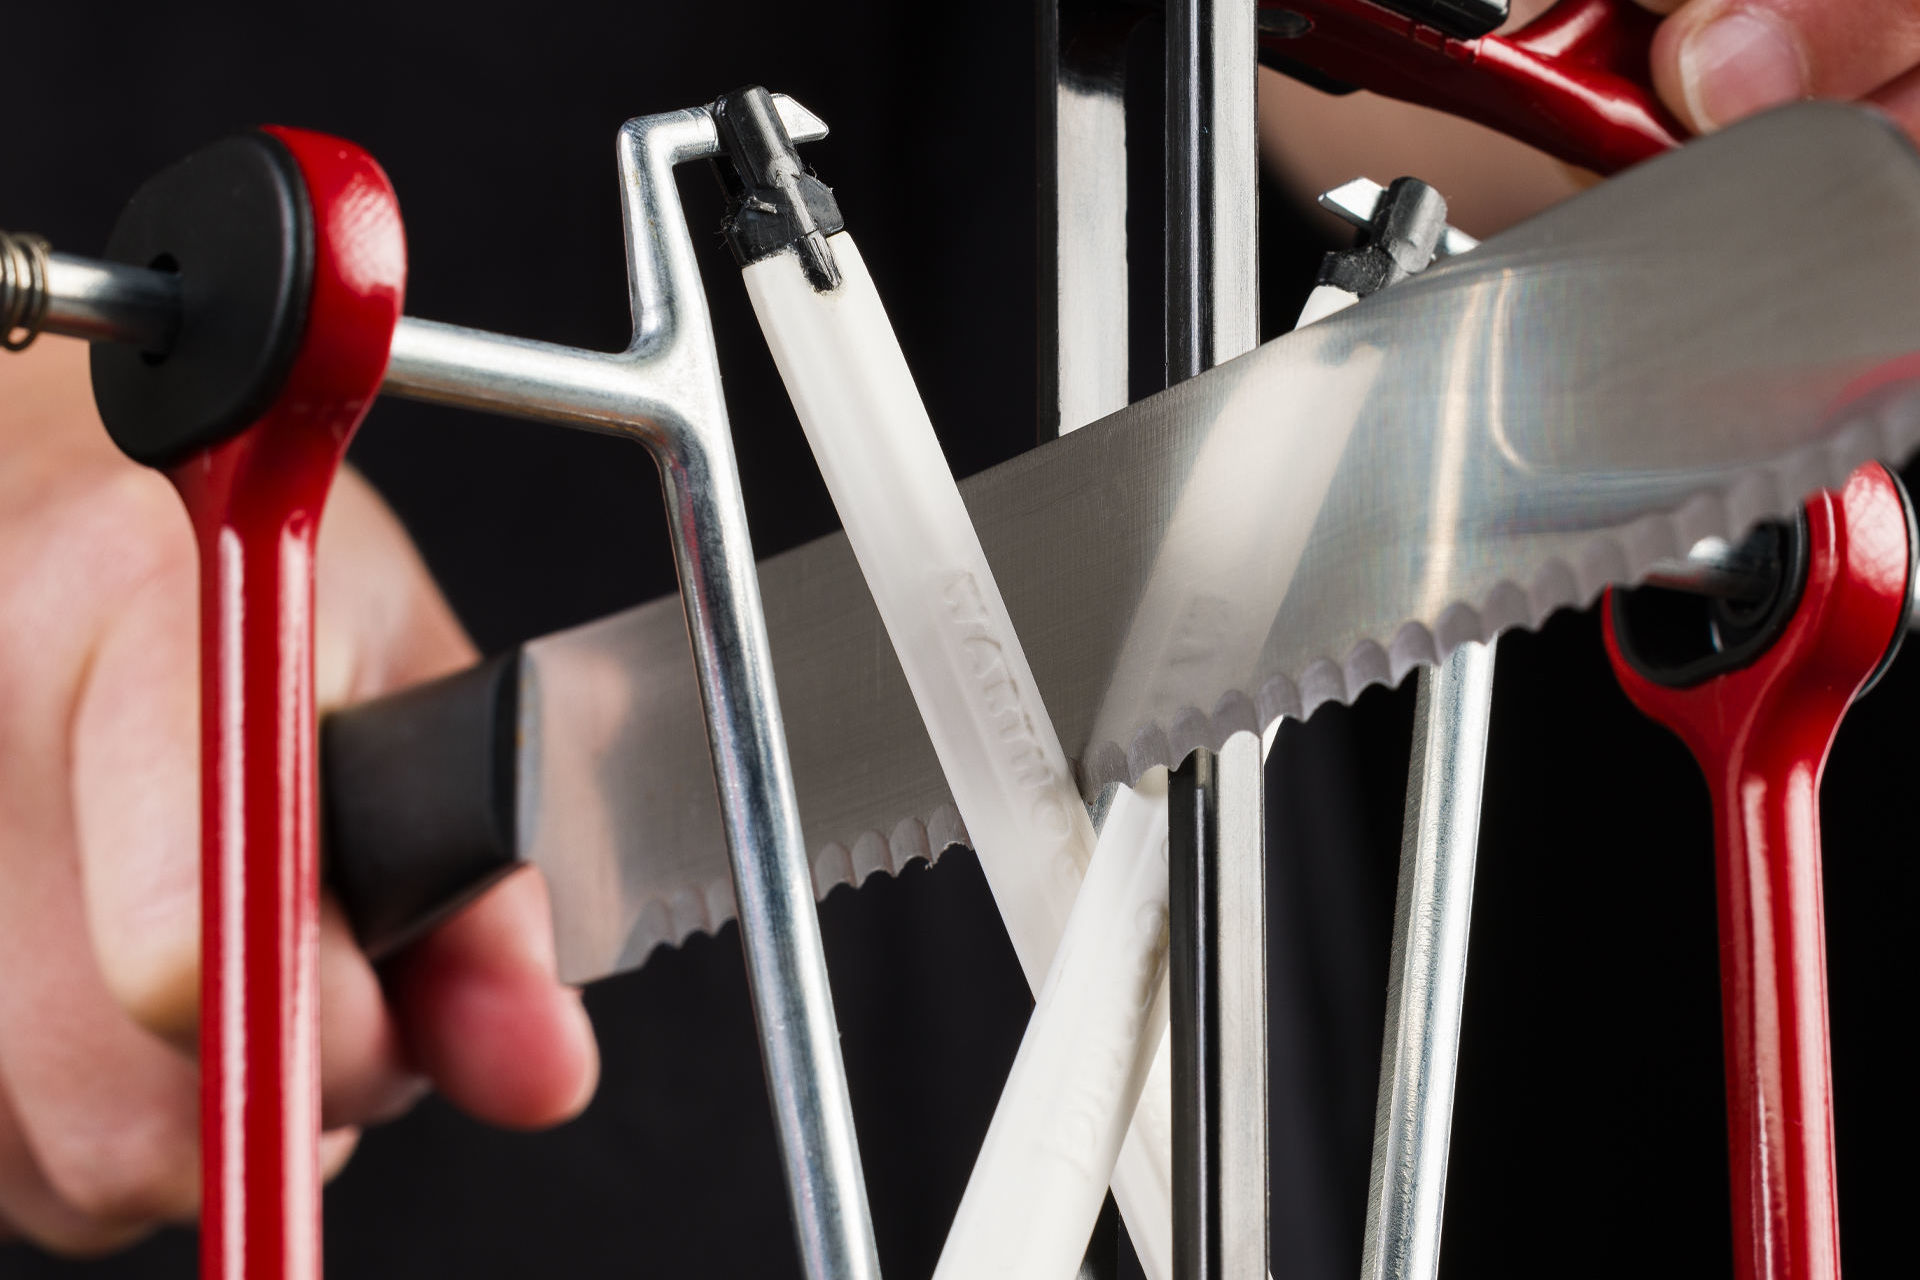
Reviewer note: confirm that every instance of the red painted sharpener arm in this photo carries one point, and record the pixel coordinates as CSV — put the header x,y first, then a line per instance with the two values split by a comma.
x,y
1761,734
292,261
255,502
1577,82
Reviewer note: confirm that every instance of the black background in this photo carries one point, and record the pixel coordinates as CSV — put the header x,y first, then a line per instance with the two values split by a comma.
x,y
1589,1137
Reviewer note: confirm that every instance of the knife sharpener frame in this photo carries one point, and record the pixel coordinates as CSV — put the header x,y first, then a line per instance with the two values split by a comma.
x,y
102,302
663,391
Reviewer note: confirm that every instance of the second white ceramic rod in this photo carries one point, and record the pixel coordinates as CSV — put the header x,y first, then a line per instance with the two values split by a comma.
x,y
916,545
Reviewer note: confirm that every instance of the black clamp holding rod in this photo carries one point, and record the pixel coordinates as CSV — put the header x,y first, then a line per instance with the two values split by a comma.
x,y
773,203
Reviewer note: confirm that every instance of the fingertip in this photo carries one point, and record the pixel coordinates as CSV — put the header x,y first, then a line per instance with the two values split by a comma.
x,y
511,1049
1669,82
365,1075
487,1020
336,1148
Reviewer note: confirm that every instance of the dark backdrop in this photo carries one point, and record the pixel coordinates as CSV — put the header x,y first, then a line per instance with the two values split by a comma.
x,y
1589,1137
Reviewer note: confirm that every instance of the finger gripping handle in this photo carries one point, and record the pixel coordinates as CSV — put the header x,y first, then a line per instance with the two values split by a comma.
x,y
1761,734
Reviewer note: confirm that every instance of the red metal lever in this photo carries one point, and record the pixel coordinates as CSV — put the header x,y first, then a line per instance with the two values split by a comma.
x,y
1761,735
255,501
1576,82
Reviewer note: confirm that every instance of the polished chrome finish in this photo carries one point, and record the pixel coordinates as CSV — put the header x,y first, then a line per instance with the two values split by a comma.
x,y
664,391
1216,853
1083,212
1083,357
1356,201
1462,453
1213,184
108,302
23,289
673,405
1427,975
1218,986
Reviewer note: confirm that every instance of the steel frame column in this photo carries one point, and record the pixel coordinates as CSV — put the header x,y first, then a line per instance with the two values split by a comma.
x,y
1427,975
1216,853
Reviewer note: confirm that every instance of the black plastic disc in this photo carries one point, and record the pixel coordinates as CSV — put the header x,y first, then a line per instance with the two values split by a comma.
x,y
234,221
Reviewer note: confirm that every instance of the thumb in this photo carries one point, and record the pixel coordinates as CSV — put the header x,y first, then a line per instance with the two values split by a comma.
x,y
1718,61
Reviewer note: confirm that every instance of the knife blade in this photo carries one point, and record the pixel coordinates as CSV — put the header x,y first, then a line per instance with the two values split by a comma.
x,y
1671,356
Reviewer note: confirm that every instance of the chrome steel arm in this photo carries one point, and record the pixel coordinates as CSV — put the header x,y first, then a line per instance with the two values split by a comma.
x,y
1427,975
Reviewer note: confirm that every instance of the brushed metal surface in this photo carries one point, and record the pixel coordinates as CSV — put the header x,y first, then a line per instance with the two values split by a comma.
x,y
1669,357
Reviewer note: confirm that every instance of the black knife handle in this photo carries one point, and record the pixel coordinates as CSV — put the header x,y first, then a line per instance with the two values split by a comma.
x,y
418,801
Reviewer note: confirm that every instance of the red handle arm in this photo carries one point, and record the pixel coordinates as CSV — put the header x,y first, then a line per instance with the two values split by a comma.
x,y
255,502
1761,735
1577,82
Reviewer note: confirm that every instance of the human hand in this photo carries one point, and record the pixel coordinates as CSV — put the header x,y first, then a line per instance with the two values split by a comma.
x,y
99,845
1718,61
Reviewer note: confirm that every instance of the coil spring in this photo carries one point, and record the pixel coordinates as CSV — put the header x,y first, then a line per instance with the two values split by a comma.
x,y
23,289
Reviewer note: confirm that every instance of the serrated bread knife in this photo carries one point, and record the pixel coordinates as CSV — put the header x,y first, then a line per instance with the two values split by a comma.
x,y
1671,356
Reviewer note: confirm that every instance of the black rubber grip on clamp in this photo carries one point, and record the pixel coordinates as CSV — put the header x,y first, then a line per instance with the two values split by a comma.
x,y
235,222
1682,639
418,795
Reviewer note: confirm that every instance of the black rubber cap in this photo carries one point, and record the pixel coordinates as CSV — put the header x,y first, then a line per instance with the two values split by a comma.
x,y
418,801
1681,639
235,222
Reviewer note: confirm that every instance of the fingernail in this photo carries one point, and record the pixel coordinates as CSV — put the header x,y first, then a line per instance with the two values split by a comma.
x,y
1737,65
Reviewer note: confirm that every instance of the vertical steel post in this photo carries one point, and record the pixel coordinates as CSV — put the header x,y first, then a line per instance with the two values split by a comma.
x,y
1219,1004
1427,975
1083,212
1081,65
1216,854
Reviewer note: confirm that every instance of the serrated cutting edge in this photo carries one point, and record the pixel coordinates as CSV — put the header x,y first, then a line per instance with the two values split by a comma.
x,y
1618,557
